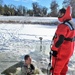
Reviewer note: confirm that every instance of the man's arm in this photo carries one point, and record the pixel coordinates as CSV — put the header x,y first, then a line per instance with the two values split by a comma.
x,y
60,41
57,44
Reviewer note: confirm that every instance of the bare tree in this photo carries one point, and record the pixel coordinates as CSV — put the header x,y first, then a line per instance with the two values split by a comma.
x,y
54,8
44,10
1,8
39,10
30,12
6,10
72,3
36,9
21,10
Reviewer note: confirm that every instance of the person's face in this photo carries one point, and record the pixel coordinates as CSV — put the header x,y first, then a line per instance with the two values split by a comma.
x,y
60,14
28,61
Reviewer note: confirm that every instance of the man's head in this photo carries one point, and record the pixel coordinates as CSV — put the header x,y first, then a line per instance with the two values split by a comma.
x,y
65,14
27,59
61,12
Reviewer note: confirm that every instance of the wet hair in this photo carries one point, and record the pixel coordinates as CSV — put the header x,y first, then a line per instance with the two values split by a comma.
x,y
26,57
63,10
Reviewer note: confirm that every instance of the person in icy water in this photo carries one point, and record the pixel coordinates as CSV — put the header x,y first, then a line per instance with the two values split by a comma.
x,y
28,68
63,42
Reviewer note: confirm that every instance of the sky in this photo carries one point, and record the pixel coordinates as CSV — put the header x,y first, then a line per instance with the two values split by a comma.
x,y
28,3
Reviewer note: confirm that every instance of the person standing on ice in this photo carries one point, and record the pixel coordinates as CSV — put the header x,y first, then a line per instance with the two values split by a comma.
x,y
63,42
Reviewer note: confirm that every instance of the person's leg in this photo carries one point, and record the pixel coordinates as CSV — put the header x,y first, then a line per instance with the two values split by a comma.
x,y
65,69
58,67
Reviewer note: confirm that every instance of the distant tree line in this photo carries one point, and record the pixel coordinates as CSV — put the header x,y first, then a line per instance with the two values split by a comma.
x,y
37,10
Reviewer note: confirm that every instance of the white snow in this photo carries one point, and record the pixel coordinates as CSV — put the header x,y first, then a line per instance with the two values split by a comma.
x,y
16,40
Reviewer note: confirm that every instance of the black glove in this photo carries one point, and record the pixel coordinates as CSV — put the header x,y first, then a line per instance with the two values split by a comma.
x,y
51,68
54,53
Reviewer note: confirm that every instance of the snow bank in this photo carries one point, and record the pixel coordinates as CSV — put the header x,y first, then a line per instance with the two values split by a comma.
x,y
29,20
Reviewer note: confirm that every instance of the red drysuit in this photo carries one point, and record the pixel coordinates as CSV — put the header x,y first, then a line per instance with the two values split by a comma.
x,y
63,44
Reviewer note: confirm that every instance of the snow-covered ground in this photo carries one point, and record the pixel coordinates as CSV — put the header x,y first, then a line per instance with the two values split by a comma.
x,y
16,40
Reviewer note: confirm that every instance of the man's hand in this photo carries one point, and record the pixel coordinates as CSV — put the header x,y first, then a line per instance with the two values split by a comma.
x,y
54,53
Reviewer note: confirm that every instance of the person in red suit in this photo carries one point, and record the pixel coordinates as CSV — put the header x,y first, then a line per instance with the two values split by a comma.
x,y
63,42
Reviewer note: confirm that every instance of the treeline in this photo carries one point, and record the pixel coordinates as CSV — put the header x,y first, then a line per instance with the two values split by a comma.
x,y
37,10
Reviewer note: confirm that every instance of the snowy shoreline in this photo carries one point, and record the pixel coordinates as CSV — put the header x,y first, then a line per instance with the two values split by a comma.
x,y
29,20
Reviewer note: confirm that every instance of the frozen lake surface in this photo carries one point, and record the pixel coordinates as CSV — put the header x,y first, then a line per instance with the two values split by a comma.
x,y
20,39
16,40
